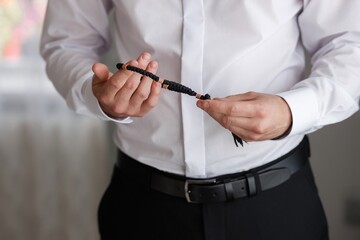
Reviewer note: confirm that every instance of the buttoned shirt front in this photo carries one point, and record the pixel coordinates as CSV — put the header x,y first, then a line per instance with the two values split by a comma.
x,y
217,47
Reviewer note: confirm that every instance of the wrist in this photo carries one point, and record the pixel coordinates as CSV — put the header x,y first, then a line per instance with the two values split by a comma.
x,y
284,134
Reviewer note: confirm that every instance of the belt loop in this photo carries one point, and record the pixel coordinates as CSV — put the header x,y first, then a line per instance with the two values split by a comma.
x,y
229,191
251,184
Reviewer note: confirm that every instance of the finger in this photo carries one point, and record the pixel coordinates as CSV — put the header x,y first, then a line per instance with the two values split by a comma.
x,y
244,134
133,80
113,85
235,125
126,82
240,97
142,62
144,59
100,79
153,97
119,84
123,75
250,136
143,91
232,104
101,73
231,108
253,129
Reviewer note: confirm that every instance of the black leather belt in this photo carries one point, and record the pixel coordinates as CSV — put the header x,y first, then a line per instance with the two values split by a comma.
x,y
222,188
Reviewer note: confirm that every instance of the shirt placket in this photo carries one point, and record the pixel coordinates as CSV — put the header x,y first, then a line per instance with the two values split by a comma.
x,y
191,75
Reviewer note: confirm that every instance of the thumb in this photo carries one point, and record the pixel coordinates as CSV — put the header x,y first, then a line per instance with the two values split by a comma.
x,y
101,73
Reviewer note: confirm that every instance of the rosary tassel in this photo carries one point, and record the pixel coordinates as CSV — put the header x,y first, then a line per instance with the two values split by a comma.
x,y
237,140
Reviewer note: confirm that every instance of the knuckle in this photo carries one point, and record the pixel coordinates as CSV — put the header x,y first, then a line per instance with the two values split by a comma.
x,y
261,110
103,98
118,109
262,128
232,110
142,94
259,128
250,94
151,104
114,83
226,122
130,85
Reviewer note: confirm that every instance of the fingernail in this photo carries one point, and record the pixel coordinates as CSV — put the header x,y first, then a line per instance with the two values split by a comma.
x,y
203,104
153,64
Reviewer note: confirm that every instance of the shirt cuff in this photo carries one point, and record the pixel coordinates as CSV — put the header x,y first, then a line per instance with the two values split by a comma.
x,y
93,104
304,109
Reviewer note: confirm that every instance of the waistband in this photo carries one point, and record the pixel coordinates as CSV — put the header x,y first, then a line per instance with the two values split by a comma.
x,y
222,188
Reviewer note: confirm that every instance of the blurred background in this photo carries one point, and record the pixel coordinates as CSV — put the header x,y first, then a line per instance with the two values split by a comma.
x,y
55,165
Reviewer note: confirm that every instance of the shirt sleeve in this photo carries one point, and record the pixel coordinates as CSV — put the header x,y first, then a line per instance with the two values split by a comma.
x,y
330,32
75,34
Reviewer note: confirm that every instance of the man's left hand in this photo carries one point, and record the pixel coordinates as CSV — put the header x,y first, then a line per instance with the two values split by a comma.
x,y
251,116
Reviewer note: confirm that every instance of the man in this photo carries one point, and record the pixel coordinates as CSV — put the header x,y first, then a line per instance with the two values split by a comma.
x,y
179,173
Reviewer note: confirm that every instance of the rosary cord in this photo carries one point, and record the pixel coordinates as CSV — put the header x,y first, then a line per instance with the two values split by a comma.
x,y
138,70
176,87
170,85
173,86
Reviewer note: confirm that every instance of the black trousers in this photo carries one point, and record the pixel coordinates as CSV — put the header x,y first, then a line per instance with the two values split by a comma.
x,y
290,211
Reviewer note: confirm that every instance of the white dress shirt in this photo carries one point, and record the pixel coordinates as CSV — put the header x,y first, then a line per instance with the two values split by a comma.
x,y
216,47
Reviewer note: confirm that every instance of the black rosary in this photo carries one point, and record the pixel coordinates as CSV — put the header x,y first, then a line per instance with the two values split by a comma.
x,y
173,86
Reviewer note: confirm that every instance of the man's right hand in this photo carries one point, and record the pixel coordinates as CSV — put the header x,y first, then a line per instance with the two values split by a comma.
x,y
126,93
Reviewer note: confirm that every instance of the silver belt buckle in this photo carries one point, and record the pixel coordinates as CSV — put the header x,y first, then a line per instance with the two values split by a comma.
x,y
195,182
